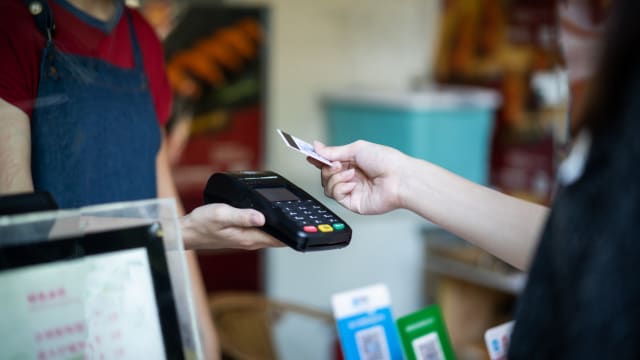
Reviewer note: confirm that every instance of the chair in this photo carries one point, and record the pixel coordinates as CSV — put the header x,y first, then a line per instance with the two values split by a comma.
x,y
245,321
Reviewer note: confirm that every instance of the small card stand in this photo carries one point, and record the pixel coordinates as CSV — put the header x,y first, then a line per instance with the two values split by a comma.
x,y
365,324
424,335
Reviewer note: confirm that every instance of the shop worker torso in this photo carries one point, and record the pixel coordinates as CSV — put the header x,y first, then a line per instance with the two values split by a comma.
x,y
96,102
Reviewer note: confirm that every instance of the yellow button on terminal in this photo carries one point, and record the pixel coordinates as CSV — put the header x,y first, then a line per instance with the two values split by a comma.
x,y
325,228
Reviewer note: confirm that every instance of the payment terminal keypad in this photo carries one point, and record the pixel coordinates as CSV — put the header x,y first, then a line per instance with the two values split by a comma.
x,y
310,216
291,214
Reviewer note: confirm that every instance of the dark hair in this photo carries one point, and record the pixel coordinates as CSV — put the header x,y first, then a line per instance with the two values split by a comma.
x,y
618,67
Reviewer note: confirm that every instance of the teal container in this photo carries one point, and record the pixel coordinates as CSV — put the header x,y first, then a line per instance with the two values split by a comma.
x,y
449,127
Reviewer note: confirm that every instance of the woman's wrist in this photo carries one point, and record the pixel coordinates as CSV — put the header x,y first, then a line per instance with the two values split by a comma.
x,y
405,176
416,184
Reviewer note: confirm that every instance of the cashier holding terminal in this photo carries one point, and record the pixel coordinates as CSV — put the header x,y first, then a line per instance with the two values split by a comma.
x,y
582,299
82,109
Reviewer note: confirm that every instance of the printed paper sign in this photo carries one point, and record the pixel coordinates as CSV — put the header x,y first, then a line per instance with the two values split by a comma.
x,y
497,340
365,324
424,335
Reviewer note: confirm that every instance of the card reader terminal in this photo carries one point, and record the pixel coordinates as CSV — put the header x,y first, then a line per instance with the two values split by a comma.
x,y
292,215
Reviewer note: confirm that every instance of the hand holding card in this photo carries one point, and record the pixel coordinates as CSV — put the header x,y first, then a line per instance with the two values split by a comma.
x,y
301,146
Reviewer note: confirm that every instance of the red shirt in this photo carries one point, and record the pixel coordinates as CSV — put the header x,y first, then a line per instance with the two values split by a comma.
x,y
22,43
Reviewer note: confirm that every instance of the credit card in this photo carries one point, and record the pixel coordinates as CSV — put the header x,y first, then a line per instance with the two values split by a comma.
x,y
301,146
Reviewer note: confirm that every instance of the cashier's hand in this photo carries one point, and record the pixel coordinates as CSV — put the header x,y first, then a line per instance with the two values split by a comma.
x,y
364,177
220,226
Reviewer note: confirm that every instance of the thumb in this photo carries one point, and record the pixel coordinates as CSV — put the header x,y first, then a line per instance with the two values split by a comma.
x,y
336,153
228,216
250,217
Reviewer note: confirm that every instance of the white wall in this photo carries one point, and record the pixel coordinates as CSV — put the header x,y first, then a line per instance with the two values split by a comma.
x,y
317,46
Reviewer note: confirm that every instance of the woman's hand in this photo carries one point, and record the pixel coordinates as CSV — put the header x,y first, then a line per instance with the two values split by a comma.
x,y
364,177
220,226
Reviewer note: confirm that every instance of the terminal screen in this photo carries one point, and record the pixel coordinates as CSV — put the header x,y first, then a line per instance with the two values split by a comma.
x,y
277,194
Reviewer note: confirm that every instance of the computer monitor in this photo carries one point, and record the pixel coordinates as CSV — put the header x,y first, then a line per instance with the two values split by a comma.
x,y
104,295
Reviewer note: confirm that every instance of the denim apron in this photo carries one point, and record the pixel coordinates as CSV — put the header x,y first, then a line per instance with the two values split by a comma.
x,y
94,130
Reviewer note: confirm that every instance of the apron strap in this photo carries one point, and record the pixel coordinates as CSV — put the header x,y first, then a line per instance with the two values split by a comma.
x,y
137,53
42,14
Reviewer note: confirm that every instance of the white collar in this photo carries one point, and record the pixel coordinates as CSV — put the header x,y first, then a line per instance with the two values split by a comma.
x,y
572,167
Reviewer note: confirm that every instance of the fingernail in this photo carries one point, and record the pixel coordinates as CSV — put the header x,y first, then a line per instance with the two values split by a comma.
x,y
256,219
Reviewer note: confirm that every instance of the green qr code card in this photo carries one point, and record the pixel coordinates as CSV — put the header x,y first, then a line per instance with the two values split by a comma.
x,y
424,335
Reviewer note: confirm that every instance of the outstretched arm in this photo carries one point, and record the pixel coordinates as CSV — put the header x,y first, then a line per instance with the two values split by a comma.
x,y
212,226
207,331
215,226
369,178
505,226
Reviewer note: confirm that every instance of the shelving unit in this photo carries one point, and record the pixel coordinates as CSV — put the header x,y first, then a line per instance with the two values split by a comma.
x,y
474,289
448,255
508,283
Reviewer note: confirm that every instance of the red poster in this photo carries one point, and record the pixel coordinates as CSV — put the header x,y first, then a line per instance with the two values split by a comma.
x,y
215,62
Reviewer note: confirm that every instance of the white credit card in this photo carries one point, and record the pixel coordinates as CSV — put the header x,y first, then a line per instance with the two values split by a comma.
x,y
301,146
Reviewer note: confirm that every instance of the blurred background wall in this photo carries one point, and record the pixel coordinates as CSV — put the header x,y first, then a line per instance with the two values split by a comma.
x,y
318,46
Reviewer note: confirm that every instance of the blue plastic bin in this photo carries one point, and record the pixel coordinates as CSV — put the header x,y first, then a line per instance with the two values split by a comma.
x,y
450,127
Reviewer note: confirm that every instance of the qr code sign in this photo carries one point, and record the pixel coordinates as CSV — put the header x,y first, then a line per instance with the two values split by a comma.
x,y
428,347
372,344
497,340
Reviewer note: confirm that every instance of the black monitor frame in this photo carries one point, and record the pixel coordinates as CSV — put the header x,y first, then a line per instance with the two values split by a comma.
x,y
27,202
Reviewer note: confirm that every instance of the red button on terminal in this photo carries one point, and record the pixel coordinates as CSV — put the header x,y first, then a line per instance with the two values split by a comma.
x,y
310,228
